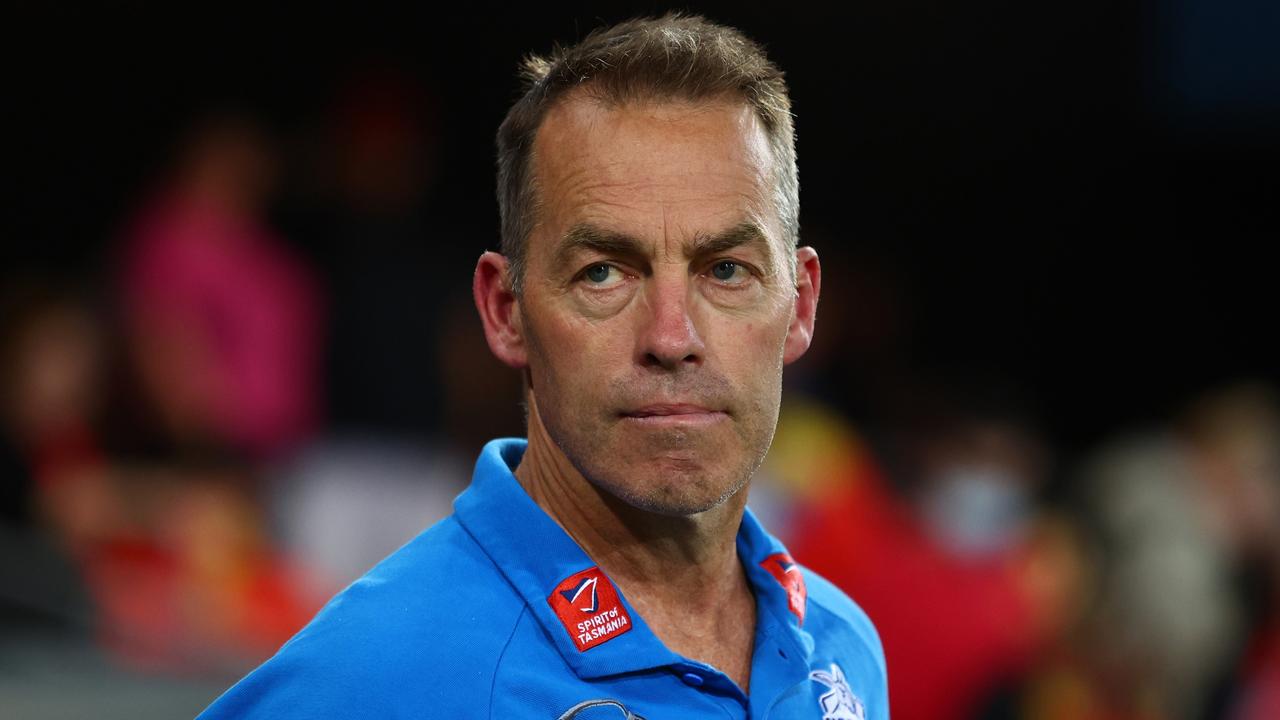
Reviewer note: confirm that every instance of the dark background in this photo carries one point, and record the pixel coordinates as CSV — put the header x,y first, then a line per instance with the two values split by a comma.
x,y
1061,210
1075,196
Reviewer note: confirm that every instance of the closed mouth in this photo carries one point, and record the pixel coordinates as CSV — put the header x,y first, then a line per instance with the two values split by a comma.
x,y
674,413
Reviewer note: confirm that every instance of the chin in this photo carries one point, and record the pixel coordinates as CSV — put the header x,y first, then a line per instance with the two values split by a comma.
x,y
673,506
674,490
671,472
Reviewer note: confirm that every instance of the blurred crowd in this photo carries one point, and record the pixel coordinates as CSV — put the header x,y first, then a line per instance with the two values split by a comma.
x,y
221,426
1144,582
276,379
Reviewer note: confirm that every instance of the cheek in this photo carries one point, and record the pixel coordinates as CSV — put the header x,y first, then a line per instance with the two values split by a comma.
x,y
574,358
750,348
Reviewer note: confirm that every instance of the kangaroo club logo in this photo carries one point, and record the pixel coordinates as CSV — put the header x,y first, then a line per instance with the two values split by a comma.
x,y
839,702
590,609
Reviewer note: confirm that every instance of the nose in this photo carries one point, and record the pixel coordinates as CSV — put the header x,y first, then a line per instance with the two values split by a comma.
x,y
669,337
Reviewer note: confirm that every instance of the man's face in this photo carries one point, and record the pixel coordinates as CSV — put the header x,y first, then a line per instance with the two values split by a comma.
x,y
657,298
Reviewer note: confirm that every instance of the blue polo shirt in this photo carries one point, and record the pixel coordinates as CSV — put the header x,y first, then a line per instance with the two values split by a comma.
x,y
495,612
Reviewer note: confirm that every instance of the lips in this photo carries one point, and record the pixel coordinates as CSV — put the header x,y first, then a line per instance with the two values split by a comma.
x,y
674,415
666,410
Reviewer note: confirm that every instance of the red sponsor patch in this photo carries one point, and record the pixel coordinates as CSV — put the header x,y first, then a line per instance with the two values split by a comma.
x,y
588,605
787,573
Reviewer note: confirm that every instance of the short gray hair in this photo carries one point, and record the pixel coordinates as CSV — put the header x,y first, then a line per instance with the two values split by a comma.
x,y
675,56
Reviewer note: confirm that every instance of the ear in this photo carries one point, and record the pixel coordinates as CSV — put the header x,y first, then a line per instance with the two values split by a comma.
x,y
499,310
808,283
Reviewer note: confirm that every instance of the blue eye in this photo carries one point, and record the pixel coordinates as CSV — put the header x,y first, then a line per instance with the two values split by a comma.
x,y
598,273
602,275
725,270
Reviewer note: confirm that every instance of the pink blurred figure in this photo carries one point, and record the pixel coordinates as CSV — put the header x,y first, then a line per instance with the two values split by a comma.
x,y
223,318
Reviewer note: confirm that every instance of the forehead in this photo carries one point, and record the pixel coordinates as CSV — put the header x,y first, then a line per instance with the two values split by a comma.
x,y
670,165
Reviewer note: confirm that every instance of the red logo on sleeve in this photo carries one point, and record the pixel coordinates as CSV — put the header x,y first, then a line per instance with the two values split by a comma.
x,y
787,573
588,605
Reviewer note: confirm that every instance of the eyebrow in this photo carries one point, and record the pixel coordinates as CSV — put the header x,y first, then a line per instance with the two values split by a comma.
x,y
585,236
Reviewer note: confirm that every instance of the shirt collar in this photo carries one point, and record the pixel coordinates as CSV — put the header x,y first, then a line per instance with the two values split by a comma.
x,y
536,556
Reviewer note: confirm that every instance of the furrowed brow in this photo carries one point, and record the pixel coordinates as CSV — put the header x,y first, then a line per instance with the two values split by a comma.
x,y
742,235
591,238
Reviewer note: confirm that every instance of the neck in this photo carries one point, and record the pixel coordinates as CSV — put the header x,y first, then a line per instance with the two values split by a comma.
x,y
676,571
630,544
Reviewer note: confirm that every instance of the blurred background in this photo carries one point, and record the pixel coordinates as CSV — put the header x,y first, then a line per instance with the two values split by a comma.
x,y
1037,437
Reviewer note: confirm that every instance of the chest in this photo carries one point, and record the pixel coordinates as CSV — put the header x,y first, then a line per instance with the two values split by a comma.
x,y
836,680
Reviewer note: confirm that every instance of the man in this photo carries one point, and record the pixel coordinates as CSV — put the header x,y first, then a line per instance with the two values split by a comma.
x,y
650,290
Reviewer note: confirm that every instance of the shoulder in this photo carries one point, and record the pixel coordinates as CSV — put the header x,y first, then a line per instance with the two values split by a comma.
x,y
837,613
437,608
846,637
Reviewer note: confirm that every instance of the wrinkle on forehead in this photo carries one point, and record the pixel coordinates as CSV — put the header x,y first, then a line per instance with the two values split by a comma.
x,y
603,164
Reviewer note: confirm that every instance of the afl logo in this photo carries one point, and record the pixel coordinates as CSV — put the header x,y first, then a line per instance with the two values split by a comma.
x,y
602,709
